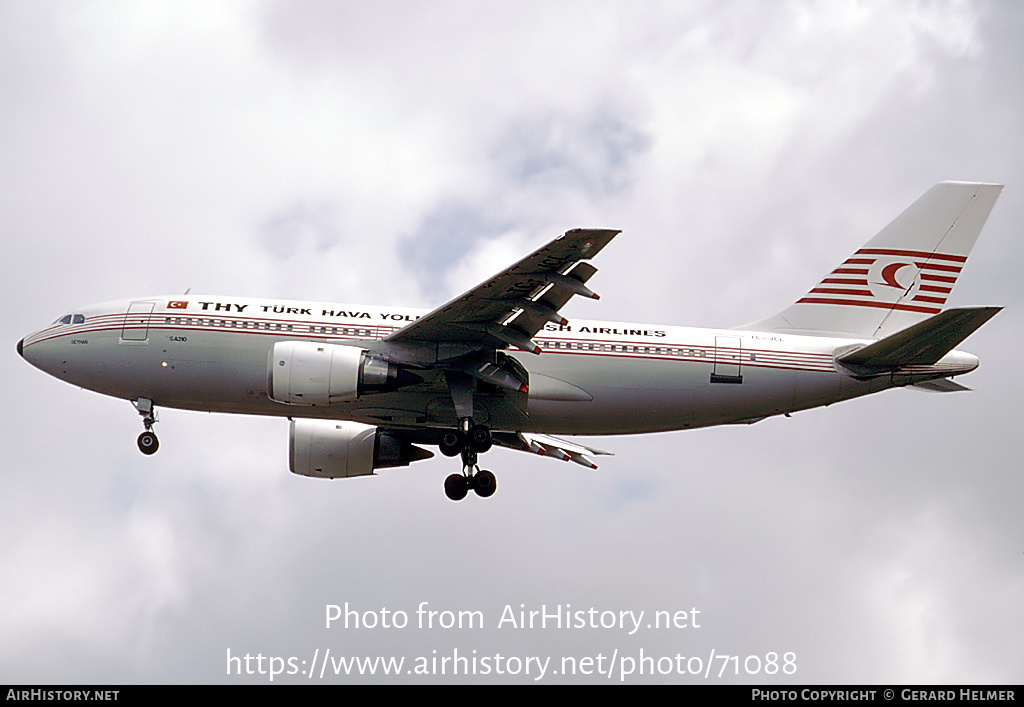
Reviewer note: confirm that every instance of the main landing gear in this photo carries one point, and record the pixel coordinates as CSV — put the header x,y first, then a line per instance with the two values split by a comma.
x,y
148,442
469,441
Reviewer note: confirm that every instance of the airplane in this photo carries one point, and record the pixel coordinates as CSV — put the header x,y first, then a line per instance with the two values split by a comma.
x,y
367,387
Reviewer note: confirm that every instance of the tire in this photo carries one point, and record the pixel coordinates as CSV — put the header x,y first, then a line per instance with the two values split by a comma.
x,y
480,439
456,487
484,484
148,443
451,443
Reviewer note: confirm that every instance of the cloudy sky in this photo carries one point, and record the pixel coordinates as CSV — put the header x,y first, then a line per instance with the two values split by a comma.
x,y
398,153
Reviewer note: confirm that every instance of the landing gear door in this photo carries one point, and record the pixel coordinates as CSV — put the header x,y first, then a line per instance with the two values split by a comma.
x,y
136,322
728,353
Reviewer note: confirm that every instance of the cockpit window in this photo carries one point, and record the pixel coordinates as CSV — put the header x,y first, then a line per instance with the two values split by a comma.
x,y
71,319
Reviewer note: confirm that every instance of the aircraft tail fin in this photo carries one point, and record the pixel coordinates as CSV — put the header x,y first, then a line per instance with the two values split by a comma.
x,y
901,276
922,344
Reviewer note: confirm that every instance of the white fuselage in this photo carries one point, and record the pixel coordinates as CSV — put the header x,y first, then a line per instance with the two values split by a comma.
x,y
594,378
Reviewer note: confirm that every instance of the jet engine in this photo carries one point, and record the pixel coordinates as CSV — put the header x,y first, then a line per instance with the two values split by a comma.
x,y
331,449
308,373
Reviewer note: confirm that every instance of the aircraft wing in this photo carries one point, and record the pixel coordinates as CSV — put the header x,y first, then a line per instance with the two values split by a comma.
x,y
511,307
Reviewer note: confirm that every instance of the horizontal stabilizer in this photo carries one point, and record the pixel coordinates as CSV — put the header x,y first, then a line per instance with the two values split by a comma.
x,y
940,385
923,343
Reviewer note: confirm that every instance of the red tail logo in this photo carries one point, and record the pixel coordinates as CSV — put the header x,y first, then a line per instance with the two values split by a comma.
x,y
908,280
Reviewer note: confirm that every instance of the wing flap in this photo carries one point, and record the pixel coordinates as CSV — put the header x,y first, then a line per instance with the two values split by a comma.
x,y
547,445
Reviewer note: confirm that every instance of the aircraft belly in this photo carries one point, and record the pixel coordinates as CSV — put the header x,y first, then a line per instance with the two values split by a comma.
x,y
221,375
629,395
217,372
636,395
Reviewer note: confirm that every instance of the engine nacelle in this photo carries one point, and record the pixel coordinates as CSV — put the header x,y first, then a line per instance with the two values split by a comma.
x,y
308,373
333,449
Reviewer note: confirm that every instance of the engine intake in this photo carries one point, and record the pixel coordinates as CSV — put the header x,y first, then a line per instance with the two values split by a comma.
x,y
331,449
308,373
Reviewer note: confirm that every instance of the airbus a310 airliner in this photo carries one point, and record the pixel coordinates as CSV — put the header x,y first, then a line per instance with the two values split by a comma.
x,y
366,386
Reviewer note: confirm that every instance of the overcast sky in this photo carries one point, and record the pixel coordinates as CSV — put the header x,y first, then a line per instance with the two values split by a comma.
x,y
399,153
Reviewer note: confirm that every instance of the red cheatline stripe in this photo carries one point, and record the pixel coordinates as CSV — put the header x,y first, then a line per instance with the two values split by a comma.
x,y
850,271
923,298
936,288
859,261
912,254
781,360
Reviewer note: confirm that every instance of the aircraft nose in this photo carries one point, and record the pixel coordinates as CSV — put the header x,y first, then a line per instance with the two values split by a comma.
x,y
21,345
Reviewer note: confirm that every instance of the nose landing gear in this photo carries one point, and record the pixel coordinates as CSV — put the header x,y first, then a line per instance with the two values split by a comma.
x,y
147,441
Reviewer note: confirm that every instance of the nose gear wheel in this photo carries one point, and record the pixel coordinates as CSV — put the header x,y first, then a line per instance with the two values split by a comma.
x,y
147,441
